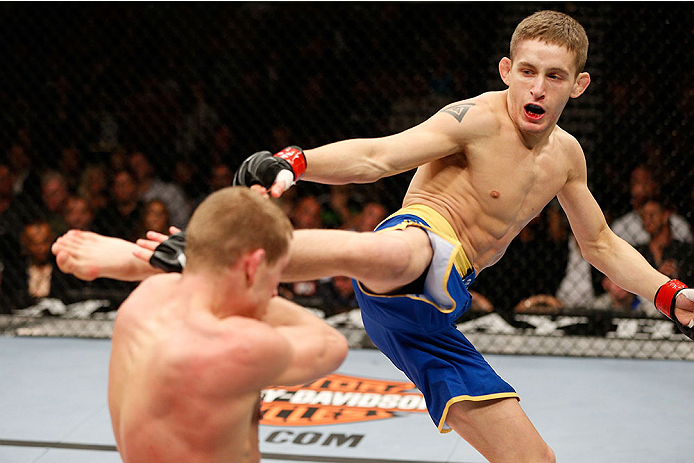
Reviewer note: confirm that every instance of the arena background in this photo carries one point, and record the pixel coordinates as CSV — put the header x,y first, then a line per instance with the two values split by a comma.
x,y
196,88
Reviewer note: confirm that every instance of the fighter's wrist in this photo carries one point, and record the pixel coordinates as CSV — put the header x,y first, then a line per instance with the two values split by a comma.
x,y
296,159
666,296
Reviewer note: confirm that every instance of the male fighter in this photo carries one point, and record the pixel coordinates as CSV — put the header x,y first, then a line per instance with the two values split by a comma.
x,y
192,351
485,167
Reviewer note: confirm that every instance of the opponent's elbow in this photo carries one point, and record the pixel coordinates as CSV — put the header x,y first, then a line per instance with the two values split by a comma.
x,y
336,349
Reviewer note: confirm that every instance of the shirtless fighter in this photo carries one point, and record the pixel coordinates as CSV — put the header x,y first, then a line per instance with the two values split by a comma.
x,y
192,351
485,167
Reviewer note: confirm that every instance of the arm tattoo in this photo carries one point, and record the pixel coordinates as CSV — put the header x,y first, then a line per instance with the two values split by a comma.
x,y
458,110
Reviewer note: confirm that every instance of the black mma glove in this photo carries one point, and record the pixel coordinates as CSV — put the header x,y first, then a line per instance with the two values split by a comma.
x,y
264,169
170,254
665,299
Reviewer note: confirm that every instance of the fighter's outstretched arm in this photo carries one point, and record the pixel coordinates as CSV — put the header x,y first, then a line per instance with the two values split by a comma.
x,y
610,254
365,160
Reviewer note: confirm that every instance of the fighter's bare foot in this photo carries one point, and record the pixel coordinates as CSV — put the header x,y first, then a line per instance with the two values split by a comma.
x,y
88,255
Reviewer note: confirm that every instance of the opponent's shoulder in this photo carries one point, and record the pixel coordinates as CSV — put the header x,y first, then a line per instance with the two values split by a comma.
x,y
252,351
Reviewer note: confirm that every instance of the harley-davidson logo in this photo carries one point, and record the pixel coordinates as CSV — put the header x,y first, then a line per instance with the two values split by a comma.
x,y
337,399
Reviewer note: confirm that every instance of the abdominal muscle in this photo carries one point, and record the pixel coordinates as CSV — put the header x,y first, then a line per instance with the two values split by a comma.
x,y
486,209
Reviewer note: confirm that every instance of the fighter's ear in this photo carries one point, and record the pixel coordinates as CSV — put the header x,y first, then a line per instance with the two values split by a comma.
x,y
251,262
505,68
582,82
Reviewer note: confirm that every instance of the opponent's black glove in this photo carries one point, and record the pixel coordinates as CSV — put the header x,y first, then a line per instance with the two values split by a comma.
x,y
170,254
665,299
263,168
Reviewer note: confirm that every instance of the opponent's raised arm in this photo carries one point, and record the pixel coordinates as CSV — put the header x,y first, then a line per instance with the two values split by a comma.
x,y
365,160
316,348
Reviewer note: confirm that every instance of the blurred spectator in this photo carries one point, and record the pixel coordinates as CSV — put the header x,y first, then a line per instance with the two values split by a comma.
x,y
672,257
339,210
642,185
370,216
576,288
35,275
615,299
121,216
70,165
94,186
152,187
78,213
155,217
54,196
307,213
336,296
188,177
25,180
13,213
220,177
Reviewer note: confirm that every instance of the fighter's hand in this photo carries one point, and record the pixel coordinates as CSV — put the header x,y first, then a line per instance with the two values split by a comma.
x,y
684,308
676,301
271,175
154,239
169,255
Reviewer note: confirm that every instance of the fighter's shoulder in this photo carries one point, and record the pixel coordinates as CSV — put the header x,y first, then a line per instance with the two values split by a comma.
x,y
567,143
482,112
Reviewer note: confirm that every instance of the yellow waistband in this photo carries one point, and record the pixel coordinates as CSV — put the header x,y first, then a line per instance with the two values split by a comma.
x,y
439,225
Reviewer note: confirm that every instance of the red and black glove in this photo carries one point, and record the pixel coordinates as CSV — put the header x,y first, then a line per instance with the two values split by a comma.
x,y
665,299
264,169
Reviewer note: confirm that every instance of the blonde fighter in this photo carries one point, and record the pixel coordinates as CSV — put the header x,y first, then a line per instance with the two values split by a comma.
x,y
485,167
192,351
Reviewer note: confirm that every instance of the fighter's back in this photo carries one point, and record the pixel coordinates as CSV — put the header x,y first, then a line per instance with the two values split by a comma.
x,y
178,388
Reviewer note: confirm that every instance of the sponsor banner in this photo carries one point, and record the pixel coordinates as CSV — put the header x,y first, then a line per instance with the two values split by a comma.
x,y
337,399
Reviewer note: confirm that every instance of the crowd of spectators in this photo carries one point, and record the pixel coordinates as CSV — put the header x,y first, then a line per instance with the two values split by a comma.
x,y
93,144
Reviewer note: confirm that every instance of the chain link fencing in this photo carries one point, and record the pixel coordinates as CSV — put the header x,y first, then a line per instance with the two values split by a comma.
x,y
122,117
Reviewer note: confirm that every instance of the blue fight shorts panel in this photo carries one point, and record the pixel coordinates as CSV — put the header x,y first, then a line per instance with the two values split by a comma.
x,y
417,332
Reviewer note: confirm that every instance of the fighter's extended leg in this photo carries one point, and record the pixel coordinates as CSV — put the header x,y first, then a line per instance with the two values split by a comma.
x,y
88,255
382,261
500,430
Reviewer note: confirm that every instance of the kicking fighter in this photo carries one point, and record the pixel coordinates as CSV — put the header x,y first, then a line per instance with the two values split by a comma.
x,y
485,167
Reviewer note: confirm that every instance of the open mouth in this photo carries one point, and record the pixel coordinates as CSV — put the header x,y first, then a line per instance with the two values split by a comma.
x,y
534,111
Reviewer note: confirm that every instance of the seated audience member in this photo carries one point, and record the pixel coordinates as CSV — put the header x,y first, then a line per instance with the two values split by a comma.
x,y
78,213
576,289
54,195
35,275
615,299
629,227
152,187
663,251
155,217
369,217
93,186
121,216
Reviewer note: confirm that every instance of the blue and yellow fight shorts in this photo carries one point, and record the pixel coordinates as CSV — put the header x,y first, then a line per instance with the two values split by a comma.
x,y
417,332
